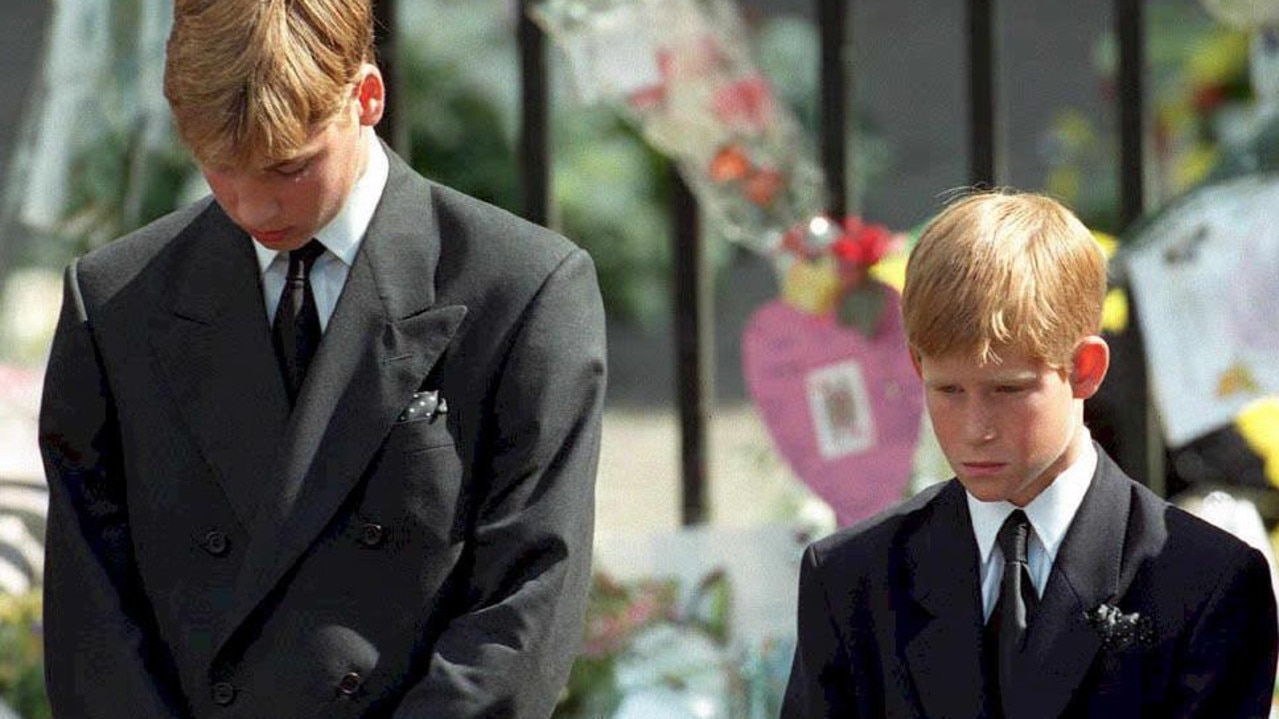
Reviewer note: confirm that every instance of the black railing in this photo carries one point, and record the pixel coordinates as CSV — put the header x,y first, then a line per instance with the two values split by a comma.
x,y
983,113
535,132
1130,435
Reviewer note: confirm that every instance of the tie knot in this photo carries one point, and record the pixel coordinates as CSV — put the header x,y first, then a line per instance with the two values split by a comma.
x,y
301,259
1013,536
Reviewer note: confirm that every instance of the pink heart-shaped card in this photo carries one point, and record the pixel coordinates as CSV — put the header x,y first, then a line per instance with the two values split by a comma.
x,y
842,408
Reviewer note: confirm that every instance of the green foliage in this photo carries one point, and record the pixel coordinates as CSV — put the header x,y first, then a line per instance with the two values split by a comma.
x,y
457,134
22,656
612,194
118,185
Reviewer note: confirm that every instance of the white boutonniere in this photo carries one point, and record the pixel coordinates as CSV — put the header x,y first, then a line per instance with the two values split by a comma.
x,y
1118,630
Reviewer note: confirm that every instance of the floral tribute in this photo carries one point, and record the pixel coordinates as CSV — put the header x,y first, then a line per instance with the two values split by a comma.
x,y
681,71
826,364
829,266
647,652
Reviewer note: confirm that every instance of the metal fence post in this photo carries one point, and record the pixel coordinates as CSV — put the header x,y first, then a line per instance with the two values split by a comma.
x,y
1142,449
833,22
983,132
693,320
392,128
535,108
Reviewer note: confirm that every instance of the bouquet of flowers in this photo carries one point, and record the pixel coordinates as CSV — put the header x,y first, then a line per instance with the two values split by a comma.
x,y
681,71
647,654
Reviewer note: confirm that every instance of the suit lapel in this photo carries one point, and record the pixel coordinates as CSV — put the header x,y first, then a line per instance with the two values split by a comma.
x,y
213,348
942,633
1061,644
383,339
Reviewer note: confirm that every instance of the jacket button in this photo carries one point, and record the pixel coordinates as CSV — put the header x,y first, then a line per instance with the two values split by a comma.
x,y
216,543
371,534
223,693
350,683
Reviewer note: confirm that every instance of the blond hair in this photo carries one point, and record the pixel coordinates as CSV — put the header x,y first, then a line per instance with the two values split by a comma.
x,y
253,79
1004,269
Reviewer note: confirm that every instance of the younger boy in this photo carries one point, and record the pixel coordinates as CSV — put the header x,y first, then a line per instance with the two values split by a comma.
x,y
1040,582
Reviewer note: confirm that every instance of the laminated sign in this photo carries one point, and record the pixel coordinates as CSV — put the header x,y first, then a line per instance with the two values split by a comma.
x,y
1205,280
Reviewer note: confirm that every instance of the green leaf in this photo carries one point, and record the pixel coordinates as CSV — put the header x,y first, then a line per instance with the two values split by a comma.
x,y
862,307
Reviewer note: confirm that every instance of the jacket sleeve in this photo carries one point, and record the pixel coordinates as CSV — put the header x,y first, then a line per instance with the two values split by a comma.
x,y
509,652
101,648
1229,662
819,683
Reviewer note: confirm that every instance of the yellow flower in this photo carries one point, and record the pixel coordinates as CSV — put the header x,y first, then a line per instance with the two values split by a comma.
x,y
1114,313
1258,422
1194,167
891,270
1107,241
1220,56
812,286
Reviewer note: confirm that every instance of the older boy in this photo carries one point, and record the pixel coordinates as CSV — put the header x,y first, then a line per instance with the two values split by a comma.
x,y
1041,582
323,445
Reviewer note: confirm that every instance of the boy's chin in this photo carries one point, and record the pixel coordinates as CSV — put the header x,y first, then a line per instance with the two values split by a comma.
x,y
992,490
984,491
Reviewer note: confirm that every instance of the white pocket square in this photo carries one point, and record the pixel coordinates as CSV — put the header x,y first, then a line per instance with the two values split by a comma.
x,y
424,406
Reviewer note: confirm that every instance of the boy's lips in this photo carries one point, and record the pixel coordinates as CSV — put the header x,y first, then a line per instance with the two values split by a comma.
x,y
270,235
983,469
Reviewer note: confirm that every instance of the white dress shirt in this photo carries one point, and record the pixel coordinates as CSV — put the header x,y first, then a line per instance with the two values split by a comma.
x,y
1050,515
341,239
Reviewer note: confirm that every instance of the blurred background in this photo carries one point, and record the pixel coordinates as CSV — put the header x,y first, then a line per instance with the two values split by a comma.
x,y
87,154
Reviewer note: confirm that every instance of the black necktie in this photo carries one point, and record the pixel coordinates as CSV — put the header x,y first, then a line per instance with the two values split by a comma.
x,y
296,330
1006,631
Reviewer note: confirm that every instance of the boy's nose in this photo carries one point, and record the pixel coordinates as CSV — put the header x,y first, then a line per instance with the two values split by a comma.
x,y
981,426
257,209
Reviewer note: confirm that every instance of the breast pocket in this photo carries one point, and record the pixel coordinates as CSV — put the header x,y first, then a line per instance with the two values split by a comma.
x,y
415,432
417,489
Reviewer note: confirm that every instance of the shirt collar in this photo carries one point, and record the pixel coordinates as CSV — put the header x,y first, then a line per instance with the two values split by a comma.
x,y
344,233
1050,513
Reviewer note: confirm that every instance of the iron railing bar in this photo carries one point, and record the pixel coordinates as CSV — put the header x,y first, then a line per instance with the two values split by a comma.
x,y
835,88
535,104
983,132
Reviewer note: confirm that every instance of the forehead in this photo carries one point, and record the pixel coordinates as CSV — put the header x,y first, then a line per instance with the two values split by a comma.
x,y
321,138
1013,365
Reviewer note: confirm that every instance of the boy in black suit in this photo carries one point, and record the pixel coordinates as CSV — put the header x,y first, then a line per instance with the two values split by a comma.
x,y
324,444
1041,582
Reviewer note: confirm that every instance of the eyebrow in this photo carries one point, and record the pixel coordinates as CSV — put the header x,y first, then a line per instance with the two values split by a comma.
x,y
1017,378
1015,375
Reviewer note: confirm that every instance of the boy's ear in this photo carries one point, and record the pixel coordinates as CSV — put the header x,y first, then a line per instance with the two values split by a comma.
x,y
370,94
914,362
1088,366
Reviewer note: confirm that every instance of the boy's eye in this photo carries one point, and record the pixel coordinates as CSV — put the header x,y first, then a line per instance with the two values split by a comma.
x,y
1009,389
291,169
948,389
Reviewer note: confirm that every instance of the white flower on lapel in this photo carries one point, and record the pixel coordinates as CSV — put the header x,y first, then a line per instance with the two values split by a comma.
x,y
1118,630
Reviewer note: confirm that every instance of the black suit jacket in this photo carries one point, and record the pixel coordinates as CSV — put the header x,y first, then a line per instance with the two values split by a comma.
x,y
212,554
890,616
